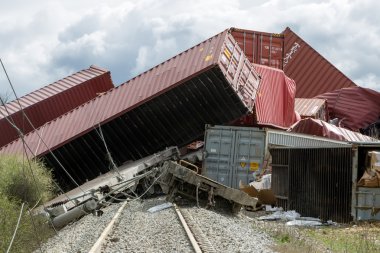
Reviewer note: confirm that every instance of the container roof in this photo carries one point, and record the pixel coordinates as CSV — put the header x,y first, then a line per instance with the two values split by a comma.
x,y
312,73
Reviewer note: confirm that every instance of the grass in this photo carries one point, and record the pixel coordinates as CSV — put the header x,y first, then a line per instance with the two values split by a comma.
x,y
355,238
19,184
364,237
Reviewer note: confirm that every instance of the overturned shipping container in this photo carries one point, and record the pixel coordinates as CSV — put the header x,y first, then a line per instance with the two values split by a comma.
x,y
353,108
313,74
274,106
168,105
51,101
322,182
261,47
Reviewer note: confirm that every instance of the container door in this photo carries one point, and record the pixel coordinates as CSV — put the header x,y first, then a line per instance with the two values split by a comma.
x,y
219,155
248,156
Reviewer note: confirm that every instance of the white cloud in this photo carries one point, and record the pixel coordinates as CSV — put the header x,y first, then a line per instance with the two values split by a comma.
x,y
47,40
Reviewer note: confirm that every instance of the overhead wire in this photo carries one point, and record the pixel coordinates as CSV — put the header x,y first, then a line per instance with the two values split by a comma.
x,y
16,228
109,156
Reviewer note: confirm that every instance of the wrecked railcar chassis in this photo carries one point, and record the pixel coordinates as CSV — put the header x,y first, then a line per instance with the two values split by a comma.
x,y
177,180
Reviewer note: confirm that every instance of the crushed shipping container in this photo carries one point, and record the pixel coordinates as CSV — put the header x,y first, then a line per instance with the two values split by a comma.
x,y
168,105
312,108
312,73
274,105
354,107
51,101
261,47
324,129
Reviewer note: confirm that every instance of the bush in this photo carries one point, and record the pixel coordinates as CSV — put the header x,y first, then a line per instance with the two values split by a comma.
x,y
19,184
22,184
30,232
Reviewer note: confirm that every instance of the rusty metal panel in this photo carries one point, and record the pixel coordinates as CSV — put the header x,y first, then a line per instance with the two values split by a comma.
x,y
312,73
354,107
311,108
261,47
318,182
52,101
210,83
324,129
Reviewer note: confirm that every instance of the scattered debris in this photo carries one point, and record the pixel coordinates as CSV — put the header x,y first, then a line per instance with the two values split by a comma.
x,y
160,207
281,215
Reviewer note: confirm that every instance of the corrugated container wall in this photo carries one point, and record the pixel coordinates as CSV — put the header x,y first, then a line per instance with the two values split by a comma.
x,y
168,105
312,73
316,182
260,47
52,101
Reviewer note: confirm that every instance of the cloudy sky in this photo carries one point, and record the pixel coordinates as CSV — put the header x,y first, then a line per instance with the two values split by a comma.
x,y
44,41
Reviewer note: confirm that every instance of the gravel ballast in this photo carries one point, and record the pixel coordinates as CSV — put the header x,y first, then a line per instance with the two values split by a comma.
x,y
81,235
141,231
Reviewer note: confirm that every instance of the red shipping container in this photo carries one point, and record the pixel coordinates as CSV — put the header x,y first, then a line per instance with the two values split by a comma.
x,y
274,105
168,105
52,101
312,73
260,47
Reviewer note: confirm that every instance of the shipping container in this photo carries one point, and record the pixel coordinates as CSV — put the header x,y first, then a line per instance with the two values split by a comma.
x,y
368,203
354,107
312,73
261,47
321,182
51,101
311,108
168,105
234,154
274,106
323,129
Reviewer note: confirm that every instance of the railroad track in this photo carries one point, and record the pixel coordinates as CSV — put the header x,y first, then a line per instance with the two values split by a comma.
x,y
198,240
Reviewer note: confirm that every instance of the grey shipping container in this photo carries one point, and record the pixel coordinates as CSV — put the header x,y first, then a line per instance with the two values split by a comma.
x,y
322,182
234,154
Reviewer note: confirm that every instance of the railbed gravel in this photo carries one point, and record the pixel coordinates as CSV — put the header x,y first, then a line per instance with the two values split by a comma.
x,y
231,233
80,236
141,231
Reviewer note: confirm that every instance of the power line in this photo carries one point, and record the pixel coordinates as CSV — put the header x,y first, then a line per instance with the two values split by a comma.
x,y
18,224
108,152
